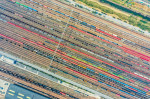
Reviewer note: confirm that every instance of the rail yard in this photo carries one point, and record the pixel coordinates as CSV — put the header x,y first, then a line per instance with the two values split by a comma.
x,y
51,50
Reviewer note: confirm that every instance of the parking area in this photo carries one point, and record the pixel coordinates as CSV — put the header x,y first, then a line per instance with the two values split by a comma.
x,y
17,92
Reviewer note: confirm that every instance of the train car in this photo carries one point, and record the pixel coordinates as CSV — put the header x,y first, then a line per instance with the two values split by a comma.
x,y
83,23
93,27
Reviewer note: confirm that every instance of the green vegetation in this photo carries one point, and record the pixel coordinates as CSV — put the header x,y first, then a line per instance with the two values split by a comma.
x,y
95,5
133,20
